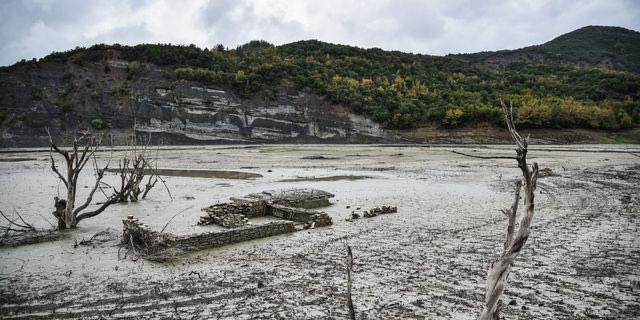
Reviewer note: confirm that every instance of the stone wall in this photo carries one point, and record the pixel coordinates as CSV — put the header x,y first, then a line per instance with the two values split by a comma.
x,y
134,230
290,213
231,220
220,238
139,233
249,209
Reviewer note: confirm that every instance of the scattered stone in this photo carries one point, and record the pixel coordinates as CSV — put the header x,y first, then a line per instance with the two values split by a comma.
x,y
379,210
355,215
319,219
513,303
269,170
545,172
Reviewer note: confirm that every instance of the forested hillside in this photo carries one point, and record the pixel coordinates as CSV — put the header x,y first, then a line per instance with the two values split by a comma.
x,y
396,89
593,46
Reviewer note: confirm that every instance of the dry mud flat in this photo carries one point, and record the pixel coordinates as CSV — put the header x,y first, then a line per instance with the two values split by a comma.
x,y
428,261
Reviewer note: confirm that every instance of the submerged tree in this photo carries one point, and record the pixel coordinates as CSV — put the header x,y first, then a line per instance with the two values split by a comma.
x,y
498,274
82,151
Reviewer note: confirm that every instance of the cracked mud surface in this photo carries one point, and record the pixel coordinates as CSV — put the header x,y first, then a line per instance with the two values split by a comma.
x,y
428,261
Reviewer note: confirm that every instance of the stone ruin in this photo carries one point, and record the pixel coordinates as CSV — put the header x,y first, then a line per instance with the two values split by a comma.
x,y
137,233
289,204
292,206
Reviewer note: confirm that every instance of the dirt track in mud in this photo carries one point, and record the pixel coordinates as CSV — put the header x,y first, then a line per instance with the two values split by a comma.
x,y
428,261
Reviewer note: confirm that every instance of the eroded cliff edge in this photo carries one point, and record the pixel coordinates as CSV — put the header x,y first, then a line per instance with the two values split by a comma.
x,y
109,97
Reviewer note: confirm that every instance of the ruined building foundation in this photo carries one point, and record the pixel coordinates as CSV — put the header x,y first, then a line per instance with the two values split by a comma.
x,y
293,206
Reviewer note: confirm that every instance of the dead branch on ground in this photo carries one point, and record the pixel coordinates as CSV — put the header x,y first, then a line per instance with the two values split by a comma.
x,y
352,311
16,232
515,240
153,246
483,157
102,236
14,226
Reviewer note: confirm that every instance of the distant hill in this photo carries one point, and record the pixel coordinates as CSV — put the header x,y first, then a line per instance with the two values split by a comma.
x,y
312,91
611,48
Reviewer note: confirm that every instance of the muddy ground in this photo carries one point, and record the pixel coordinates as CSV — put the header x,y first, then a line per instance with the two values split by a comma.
x,y
428,261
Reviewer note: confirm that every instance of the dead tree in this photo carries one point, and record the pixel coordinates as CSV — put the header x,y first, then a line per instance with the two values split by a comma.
x,y
132,171
83,149
498,274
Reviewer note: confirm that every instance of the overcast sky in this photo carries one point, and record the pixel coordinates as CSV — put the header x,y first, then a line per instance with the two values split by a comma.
x,y
34,28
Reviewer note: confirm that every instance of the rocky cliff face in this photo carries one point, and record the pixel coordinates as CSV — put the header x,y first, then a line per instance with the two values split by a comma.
x,y
115,96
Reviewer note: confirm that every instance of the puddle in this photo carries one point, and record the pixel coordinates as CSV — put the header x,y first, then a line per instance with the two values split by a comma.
x,y
329,178
219,174
18,159
319,157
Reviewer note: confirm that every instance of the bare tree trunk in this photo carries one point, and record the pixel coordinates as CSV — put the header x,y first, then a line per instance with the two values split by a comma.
x,y
61,206
71,199
66,212
498,274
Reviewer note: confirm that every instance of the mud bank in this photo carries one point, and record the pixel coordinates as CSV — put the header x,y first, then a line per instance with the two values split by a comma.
x,y
428,261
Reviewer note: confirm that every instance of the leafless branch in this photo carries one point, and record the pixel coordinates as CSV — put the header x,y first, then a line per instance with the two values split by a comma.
x,y
175,215
96,186
163,182
14,226
483,157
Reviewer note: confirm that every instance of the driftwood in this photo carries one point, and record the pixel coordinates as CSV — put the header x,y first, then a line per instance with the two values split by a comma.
x,y
516,238
17,232
14,226
483,157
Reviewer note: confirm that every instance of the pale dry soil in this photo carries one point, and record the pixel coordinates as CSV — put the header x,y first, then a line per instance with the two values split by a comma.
x,y
428,261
